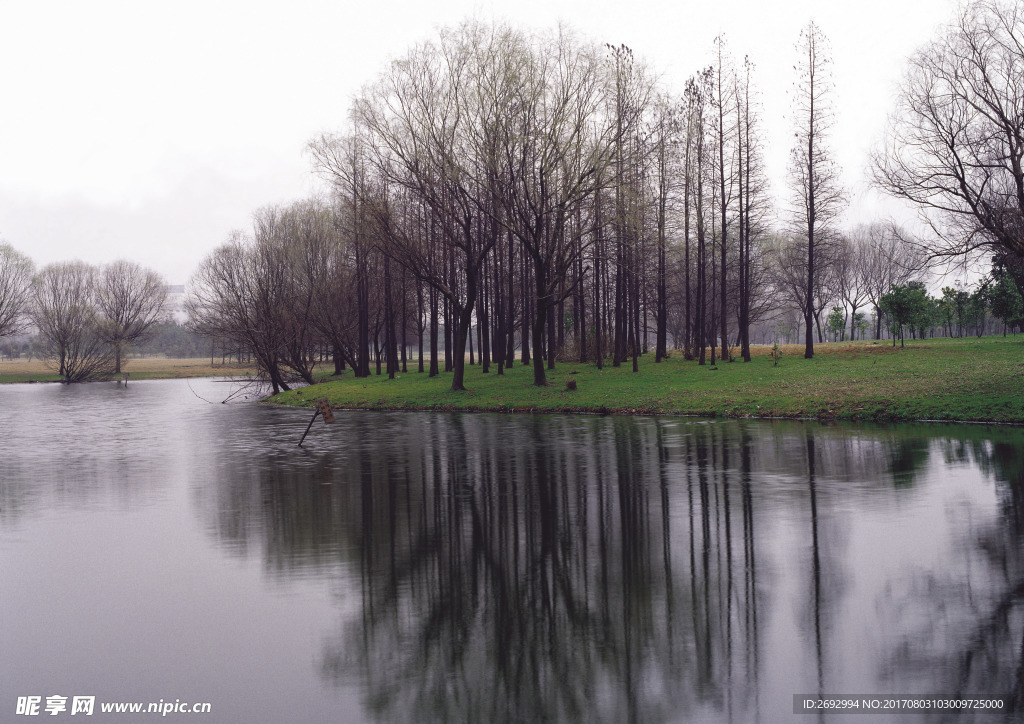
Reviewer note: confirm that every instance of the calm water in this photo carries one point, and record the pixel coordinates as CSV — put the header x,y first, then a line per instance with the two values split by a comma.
x,y
445,567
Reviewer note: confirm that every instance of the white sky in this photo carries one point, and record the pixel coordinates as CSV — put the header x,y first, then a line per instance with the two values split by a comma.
x,y
148,130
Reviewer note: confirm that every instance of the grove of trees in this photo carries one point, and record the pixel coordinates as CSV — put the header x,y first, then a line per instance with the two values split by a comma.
x,y
281,292
502,193
84,317
538,189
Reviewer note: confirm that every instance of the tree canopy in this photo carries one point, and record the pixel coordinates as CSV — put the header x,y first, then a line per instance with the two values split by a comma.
x,y
955,143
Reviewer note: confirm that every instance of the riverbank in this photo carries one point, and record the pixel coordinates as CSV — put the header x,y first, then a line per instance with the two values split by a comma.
x,y
980,380
138,368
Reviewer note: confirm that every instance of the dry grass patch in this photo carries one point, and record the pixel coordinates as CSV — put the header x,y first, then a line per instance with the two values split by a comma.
x,y
24,370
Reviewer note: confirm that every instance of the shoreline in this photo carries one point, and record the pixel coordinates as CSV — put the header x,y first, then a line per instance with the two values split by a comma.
x,y
36,371
937,380
632,412
963,381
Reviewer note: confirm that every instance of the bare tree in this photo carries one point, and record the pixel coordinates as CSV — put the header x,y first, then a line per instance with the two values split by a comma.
x,y
629,93
887,261
666,147
547,160
813,176
694,103
15,290
342,160
851,258
283,293
699,92
131,300
235,295
335,310
725,100
416,119
65,312
789,279
755,204
295,243
955,145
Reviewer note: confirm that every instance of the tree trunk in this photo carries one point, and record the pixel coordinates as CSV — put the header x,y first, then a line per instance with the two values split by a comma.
x,y
542,302
435,330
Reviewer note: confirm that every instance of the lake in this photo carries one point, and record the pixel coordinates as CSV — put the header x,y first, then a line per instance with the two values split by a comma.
x,y
160,547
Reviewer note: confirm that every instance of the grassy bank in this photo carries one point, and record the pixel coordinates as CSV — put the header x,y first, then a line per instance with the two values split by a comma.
x,y
940,379
139,368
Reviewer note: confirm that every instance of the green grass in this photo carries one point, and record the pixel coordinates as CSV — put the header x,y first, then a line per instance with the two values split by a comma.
x,y
941,379
29,377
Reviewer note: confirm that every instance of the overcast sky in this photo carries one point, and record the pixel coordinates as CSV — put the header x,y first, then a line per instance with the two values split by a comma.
x,y
149,131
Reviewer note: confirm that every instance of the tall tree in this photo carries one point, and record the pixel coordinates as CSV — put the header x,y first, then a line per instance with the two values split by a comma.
x,y
335,304
726,132
813,175
666,140
547,160
693,101
342,160
700,91
755,203
628,96
418,118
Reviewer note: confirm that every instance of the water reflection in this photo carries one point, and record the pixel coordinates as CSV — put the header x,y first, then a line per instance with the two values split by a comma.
x,y
510,568
987,653
516,568
519,572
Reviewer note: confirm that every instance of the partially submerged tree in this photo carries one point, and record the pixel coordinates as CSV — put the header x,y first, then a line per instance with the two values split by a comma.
x,y
64,310
271,292
231,297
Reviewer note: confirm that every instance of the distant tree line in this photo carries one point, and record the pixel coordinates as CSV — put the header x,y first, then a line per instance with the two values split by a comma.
x,y
993,303
171,338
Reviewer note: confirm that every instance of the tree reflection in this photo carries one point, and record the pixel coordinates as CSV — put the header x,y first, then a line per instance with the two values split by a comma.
x,y
537,575
988,660
629,569
953,621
